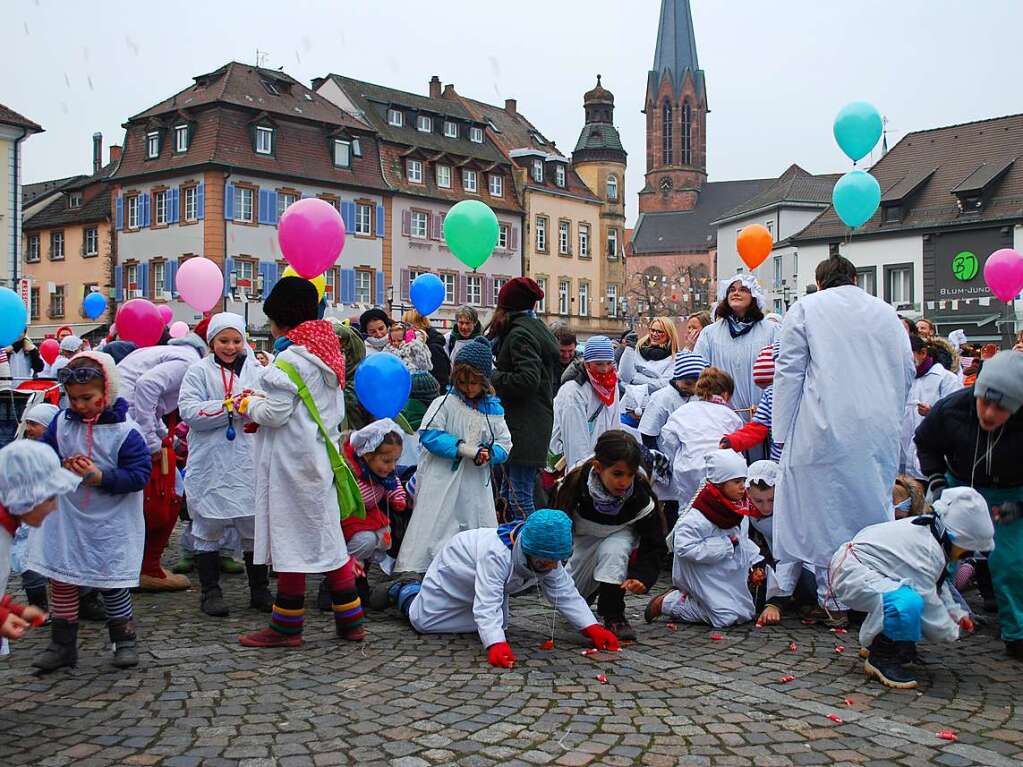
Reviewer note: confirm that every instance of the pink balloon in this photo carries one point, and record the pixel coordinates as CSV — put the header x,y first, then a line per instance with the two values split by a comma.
x,y
200,283
312,234
1003,273
178,330
139,321
166,314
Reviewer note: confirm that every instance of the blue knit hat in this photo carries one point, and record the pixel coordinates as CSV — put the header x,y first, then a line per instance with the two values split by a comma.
x,y
688,365
477,354
547,534
599,349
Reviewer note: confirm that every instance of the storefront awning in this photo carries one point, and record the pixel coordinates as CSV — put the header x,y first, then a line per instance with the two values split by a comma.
x,y
39,332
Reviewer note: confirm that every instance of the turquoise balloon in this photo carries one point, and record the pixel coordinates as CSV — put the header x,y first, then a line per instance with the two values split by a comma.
x,y
855,197
858,128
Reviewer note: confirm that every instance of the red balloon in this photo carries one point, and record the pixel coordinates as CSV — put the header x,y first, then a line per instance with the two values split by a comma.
x,y
49,350
754,244
140,322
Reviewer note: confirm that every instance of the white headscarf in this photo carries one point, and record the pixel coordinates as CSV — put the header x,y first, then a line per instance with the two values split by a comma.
x,y
723,465
748,281
30,473
767,472
369,438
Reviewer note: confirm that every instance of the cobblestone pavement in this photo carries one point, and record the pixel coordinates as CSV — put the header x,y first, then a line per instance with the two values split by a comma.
x,y
676,697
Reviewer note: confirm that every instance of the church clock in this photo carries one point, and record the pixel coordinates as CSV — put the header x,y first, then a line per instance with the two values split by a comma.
x,y
666,184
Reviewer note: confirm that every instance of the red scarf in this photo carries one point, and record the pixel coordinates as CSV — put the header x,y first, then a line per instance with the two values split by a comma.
x,y
716,508
319,338
8,522
604,384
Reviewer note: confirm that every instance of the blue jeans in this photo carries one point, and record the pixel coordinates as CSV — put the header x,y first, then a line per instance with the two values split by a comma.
x,y
517,484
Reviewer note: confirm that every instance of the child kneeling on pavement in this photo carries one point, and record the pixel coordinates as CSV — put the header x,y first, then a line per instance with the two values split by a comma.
x,y
896,573
467,585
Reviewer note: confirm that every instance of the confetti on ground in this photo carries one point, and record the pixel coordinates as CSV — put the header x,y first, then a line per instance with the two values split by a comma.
x,y
835,718
786,679
849,702
589,651
716,637
602,678
672,627
548,645
840,649
839,631
793,646
947,735
808,622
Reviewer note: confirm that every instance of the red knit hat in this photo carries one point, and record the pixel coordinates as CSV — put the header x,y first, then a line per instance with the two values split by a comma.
x,y
200,328
519,294
763,366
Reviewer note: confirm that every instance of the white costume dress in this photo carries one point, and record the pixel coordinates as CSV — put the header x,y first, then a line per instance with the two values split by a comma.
x,y
219,481
933,385
660,406
580,417
693,431
735,356
841,382
633,370
468,583
298,522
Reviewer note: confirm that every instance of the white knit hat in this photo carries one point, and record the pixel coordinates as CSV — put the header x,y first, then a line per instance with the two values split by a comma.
x,y
967,519
723,465
224,321
43,413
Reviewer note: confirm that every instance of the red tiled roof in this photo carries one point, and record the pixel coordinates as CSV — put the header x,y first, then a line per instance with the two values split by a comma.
x,y
10,117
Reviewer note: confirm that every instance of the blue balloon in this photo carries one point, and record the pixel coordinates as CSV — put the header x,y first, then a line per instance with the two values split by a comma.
x,y
94,305
855,197
858,128
383,383
427,293
13,317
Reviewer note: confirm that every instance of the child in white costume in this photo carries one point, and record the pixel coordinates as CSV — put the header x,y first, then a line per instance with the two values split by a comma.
x,y
219,481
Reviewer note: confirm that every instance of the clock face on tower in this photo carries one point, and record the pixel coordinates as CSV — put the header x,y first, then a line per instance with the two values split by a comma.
x,y
666,184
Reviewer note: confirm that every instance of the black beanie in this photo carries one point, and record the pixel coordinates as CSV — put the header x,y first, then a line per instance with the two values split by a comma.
x,y
292,301
374,314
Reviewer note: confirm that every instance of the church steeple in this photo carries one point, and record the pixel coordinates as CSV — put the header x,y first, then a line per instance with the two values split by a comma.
x,y
676,115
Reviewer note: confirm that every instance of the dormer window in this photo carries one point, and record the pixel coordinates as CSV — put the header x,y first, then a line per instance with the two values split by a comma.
x,y
270,88
450,129
74,199
559,174
891,214
414,171
264,140
476,135
153,144
180,138
424,124
342,153
493,126
538,171
395,118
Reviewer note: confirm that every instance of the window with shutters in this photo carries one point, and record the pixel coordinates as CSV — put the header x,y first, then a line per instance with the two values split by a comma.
x,y
499,282
584,240
158,271
245,275
541,234
342,154
449,279
153,145
612,188
243,204
450,129
503,236
420,224
180,138
469,181
424,124
160,200
395,118
57,246
612,300
563,287
496,185
414,171
363,219
132,203
363,286
264,140
191,207
412,274
612,244
32,251
564,238
444,176
33,303
333,199
559,174
541,305
284,201
474,290
90,242
332,279
584,299
538,171
131,281
476,135
57,302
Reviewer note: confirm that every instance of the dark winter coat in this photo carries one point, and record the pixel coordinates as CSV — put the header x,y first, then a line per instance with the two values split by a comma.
x,y
950,439
435,342
526,380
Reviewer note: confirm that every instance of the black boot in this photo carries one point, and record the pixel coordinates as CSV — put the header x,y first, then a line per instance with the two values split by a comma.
x,y
362,586
323,603
90,607
260,597
63,648
122,635
885,663
37,597
207,563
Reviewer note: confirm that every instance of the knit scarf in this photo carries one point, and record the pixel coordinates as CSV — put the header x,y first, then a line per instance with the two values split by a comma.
x,y
604,384
738,327
654,353
319,338
716,508
603,501
379,344
924,367
8,521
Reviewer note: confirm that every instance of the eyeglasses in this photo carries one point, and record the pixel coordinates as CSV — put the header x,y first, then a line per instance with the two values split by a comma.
x,y
657,332
78,375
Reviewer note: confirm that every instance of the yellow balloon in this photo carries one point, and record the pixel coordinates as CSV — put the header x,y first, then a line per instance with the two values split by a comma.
x,y
320,283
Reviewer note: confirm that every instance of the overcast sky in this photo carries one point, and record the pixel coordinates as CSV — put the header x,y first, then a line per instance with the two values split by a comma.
x,y
777,72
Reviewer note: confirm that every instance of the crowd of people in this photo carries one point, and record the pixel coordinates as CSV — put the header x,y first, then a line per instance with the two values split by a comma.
x,y
769,466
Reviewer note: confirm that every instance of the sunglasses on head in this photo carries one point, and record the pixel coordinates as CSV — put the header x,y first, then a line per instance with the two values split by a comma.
x,y
78,375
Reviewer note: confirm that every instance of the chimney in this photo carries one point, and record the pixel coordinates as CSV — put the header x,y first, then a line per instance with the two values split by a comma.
x,y
510,105
115,153
435,87
449,90
97,152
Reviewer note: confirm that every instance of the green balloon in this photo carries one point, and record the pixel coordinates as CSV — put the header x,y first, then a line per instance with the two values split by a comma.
x,y
470,229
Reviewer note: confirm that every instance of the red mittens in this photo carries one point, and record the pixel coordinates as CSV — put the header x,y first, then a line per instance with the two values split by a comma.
x,y
500,655
602,638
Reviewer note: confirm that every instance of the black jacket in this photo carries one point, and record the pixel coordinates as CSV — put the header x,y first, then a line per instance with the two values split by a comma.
x,y
35,361
439,356
950,439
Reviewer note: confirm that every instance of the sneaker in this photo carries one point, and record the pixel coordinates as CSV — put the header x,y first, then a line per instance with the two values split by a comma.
x,y
269,638
884,663
653,608
621,628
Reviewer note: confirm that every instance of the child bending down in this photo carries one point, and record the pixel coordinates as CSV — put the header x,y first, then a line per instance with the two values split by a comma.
x,y
97,538
713,554
613,512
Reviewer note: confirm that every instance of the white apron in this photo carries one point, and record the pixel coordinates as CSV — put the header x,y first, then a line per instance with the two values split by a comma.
x,y
220,481
736,356
94,538
600,553
579,419
693,431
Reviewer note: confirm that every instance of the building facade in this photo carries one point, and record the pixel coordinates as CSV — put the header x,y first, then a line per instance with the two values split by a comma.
x,y
209,172
14,129
434,153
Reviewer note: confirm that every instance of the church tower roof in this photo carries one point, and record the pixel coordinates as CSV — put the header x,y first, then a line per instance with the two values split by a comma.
x,y
676,48
599,139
